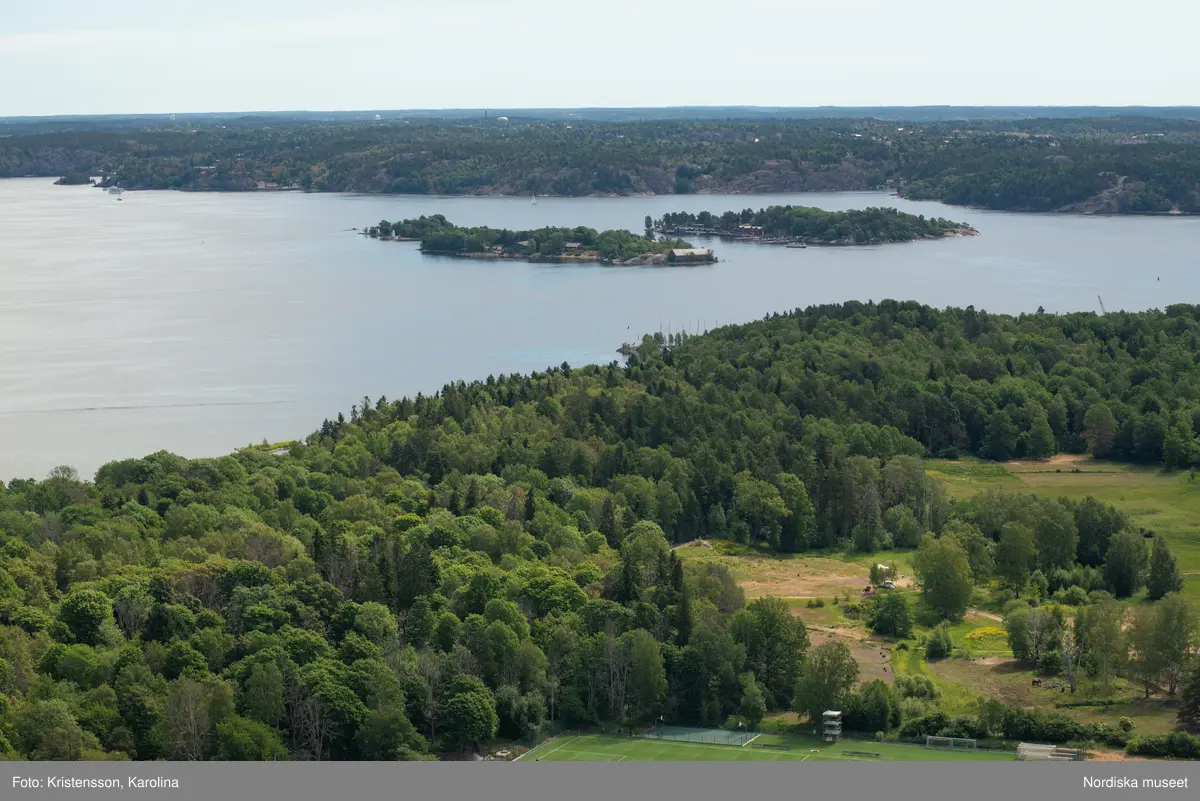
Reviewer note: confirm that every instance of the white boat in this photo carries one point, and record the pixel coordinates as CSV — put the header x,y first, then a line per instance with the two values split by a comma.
x,y
535,198
796,245
115,190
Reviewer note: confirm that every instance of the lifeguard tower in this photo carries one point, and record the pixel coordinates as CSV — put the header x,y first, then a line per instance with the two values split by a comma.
x,y
831,722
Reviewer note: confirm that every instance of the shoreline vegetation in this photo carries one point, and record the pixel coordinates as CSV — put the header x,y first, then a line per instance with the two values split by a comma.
x,y
790,225
1101,166
75,179
440,237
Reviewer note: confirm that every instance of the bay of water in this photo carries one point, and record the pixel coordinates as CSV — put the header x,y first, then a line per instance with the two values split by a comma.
x,y
199,323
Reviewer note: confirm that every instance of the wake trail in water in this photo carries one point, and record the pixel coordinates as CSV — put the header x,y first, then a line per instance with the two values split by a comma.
x,y
142,407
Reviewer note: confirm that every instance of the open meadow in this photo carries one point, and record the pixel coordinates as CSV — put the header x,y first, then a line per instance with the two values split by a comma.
x,y
826,591
1165,502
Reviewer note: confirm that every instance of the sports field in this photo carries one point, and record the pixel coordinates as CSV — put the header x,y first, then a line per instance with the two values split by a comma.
x,y
609,748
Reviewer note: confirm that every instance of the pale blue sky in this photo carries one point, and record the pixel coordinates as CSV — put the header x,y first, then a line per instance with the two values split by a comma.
x,y
129,56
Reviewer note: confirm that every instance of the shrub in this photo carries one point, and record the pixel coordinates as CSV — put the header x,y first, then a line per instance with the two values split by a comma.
x,y
1125,724
919,728
1177,745
984,633
964,726
1032,725
916,687
939,644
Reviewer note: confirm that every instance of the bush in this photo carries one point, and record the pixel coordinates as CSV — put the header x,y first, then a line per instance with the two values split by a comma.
x,y
890,615
939,644
1177,745
917,687
964,726
922,727
815,603
1032,725
1076,596
1125,724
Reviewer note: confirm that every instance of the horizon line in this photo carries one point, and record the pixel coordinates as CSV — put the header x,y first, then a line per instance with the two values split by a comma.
x,y
567,109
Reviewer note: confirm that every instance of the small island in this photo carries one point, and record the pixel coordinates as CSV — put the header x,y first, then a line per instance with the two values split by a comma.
x,y
804,225
75,179
438,236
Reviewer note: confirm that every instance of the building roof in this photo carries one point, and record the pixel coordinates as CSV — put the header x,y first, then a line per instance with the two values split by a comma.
x,y
691,251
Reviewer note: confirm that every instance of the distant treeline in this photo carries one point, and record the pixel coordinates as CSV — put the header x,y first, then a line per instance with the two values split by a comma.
x,y
857,226
439,235
1120,164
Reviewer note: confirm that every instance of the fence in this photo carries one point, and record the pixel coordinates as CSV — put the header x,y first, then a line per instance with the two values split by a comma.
x,y
700,735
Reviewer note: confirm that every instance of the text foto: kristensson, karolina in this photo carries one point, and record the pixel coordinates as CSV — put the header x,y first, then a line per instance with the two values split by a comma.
x,y
76,783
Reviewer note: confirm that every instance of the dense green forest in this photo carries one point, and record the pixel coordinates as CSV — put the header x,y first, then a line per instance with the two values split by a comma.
x,y
494,560
1099,165
870,226
439,235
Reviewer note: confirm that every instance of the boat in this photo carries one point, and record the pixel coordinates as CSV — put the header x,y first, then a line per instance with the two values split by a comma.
x,y
115,190
796,245
535,198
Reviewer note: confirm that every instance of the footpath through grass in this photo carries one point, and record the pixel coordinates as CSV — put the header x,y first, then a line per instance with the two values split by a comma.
x,y
787,748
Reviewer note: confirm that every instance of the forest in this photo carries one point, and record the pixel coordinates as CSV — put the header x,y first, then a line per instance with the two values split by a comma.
x,y
1131,164
438,235
426,576
870,226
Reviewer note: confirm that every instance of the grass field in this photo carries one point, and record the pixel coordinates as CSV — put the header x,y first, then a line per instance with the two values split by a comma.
x,y
1168,503
607,748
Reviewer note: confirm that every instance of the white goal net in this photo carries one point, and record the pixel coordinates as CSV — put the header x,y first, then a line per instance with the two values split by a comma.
x,y
956,743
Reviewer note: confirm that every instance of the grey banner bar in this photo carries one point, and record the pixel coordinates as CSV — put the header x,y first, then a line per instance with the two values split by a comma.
x,y
645,781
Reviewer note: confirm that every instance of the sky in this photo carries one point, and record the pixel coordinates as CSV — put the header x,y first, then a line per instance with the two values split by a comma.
x,y
163,56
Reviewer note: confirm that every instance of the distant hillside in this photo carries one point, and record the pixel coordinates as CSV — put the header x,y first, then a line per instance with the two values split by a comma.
x,y
1093,164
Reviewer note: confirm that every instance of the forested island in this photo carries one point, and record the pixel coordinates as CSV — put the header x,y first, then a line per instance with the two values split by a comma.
x,y
1102,165
814,226
479,567
438,235
75,179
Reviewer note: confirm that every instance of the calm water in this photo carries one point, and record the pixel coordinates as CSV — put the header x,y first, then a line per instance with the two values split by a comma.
x,y
202,322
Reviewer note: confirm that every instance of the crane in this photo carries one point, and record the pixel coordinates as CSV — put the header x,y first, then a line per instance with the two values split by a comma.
x,y
1102,309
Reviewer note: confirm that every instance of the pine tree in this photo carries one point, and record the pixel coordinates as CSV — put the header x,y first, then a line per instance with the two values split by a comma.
x,y
530,506
1189,712
629,588
683,619
1164,573
608,521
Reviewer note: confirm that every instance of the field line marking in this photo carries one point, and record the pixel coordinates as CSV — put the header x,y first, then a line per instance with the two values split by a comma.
x,y
606,756
548,753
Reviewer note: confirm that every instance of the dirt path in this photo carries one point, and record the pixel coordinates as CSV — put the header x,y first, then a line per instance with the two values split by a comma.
x,y
987,615
692,544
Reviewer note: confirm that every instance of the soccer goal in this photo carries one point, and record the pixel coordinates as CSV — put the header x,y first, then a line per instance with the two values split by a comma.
x,y
951,743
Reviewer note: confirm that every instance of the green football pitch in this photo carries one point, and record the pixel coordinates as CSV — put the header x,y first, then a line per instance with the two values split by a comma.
x,y
607,748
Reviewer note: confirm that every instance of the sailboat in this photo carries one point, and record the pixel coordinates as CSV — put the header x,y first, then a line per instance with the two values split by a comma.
x,y
535,198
